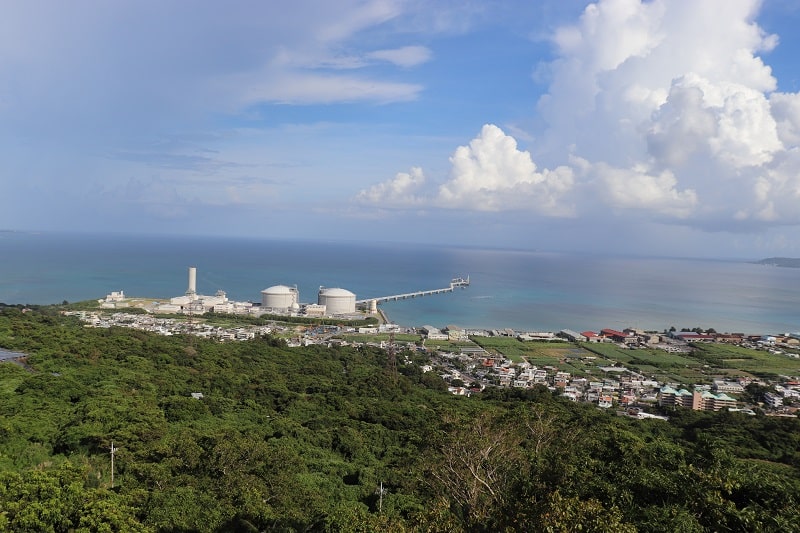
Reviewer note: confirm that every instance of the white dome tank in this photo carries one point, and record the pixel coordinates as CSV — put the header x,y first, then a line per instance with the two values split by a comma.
x,y
279,297
337,301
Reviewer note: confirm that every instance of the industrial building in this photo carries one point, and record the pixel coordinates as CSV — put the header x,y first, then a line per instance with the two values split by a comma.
x,y
337,301
280,299
192,302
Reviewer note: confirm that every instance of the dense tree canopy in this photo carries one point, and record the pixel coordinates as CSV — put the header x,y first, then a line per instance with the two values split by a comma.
x,y
303,439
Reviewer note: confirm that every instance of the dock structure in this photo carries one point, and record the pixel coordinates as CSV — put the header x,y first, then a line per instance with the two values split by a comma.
x,y
454,283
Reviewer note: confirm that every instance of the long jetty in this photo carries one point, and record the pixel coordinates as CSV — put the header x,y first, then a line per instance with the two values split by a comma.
x,y
454,283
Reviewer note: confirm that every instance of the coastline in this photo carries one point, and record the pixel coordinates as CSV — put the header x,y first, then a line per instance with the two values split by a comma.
x,y
524,291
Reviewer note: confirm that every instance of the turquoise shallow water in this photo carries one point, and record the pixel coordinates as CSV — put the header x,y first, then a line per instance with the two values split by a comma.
x,y
510,289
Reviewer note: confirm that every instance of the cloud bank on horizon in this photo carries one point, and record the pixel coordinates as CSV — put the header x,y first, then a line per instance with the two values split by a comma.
x,y
662,109
669,120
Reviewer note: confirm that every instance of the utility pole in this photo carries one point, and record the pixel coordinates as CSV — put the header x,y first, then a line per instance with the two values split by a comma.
x,y
113,449
391,359
380,492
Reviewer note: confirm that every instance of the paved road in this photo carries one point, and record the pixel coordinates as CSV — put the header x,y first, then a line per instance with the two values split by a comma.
x,y
5,355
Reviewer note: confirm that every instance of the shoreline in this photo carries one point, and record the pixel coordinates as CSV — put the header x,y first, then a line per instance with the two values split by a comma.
x,y
384,318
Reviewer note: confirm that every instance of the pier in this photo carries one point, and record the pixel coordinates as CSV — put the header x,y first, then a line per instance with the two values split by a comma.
x,y
454,283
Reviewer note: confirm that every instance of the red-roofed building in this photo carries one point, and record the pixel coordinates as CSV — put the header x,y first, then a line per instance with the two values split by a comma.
x,y
618,336
591,336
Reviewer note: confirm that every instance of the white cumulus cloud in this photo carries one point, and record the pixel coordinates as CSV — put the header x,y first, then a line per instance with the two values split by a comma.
x,y
664,108
401,191
786,111
492,174
639,189
670,107
489,174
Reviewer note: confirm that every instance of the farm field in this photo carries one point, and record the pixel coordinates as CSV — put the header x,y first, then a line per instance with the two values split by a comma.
x,y
756,362
706,363
381,337
610,351
661,359
536,353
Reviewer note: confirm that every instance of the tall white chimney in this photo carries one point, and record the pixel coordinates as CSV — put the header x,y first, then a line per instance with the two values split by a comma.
x,y
192,290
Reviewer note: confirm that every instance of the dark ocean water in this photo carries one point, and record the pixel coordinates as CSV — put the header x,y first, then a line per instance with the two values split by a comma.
x,y
510,289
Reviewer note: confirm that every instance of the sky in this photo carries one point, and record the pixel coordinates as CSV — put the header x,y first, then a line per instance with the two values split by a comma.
x,y
661,127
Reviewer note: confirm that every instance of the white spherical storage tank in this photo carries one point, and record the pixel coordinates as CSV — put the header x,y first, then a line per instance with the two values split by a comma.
x,y
337,301
279,297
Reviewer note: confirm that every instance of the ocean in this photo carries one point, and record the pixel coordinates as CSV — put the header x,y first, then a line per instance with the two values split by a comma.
x,y
522,290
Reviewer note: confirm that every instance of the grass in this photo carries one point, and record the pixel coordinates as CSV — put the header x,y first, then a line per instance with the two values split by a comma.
x,y
729,358
380,337
511,347
692,375
506,346
662,359
609,351
448,346
537,353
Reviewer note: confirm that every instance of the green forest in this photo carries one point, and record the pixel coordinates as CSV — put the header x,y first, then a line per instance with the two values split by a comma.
x,y
256,436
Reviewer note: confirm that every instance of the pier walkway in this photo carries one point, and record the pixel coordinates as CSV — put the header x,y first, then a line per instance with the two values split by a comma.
x,y
455,282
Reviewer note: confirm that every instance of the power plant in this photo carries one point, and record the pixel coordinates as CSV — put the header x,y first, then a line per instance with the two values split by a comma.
x,y
281,300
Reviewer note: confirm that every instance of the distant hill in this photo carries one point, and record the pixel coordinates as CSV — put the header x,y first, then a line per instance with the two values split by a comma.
x,y
789,262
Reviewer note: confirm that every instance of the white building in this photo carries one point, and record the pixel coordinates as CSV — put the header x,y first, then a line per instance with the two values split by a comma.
x,y
337,301
433,333
280,298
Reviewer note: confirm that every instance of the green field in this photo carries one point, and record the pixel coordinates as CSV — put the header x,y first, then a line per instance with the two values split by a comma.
x,y
661,359
760,363
452,346
609,351
380,337
536,353
707,362
563,355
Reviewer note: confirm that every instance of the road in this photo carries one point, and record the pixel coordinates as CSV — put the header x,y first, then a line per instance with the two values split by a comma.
x,y
6,355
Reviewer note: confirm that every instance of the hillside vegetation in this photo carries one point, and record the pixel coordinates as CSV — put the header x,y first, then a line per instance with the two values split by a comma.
x,y
304,439
790,262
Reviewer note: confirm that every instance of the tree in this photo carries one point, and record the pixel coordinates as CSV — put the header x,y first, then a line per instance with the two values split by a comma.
x,y
563,515
540,420
477,466
59,500
754,392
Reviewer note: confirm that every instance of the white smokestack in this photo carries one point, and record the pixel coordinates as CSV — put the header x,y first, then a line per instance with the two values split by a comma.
x,y
192,290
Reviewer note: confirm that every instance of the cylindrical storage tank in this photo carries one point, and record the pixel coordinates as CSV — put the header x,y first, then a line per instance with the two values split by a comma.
x,y
337,301
279,297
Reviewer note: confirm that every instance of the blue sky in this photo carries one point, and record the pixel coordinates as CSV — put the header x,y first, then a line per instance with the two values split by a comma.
x,y
664,127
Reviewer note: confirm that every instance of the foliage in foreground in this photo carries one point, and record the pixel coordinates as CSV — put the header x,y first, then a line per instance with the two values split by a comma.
x,y
303,439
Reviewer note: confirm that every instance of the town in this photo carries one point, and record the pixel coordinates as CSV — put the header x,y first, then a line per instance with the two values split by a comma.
x,y
639,374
